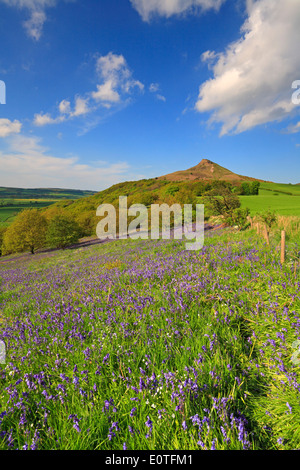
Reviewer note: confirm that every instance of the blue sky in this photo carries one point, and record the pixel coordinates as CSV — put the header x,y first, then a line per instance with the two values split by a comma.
x,y
103,91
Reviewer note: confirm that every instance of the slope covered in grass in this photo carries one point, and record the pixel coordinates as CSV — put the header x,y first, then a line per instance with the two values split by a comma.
x,y
143,345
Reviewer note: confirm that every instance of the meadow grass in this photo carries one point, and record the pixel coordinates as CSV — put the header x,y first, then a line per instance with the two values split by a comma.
x,y
281,204
143,345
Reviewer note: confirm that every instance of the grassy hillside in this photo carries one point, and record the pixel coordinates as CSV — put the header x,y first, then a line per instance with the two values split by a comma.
x,y
206,170
141,345
42,193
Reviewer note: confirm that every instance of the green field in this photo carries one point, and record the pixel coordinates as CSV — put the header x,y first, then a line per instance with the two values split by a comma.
x,y
281,204
9,212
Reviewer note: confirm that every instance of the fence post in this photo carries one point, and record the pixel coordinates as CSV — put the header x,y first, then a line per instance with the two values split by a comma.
x,y
267,235
282,246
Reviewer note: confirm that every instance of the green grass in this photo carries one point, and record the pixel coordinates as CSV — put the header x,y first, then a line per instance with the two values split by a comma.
x,y
283,205
103,340
286,188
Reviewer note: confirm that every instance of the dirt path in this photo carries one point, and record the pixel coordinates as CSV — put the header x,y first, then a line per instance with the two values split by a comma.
x,y
84,243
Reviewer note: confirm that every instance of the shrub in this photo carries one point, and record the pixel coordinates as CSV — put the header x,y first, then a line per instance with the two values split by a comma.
x,y
238,217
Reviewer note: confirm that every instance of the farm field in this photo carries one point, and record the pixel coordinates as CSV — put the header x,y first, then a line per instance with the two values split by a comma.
x,y
9,212
281,204
142,345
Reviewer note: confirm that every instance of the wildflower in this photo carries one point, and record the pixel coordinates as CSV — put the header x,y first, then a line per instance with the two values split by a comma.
x,y
289,407
149,425
105,359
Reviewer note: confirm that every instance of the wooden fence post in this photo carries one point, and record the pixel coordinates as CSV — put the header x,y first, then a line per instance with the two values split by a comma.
x,y
267,235
282,246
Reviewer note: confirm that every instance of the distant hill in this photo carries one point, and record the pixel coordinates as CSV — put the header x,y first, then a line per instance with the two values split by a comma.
x,y
43,193
207,170
175,187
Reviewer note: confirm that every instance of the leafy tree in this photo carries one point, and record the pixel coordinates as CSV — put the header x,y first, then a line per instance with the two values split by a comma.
x,y
2,232
255,185
87,222
221,201
27,232
62,231
245,188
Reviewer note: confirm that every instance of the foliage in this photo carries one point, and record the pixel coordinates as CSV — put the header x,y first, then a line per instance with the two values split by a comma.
x,y
238,217
27,232
62,231
269,218
221,201
171,190
2,232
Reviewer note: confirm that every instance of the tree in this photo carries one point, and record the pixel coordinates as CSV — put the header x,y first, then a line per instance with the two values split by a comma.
x,y
27,232
221,201
255,188
2,232
62,231
87,222
246,191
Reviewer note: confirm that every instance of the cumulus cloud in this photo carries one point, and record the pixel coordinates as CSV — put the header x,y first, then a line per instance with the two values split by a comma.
x,y
116,79
37,16
253,77
8,127
41,119
115,88
26,163
167,8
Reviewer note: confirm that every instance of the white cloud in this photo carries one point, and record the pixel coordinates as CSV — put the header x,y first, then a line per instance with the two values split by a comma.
x,y
294,129
105,92
8,127
34,24
41,120
117,84
26,163
253,77
81,107
64,107
116,79
167,8
154,88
